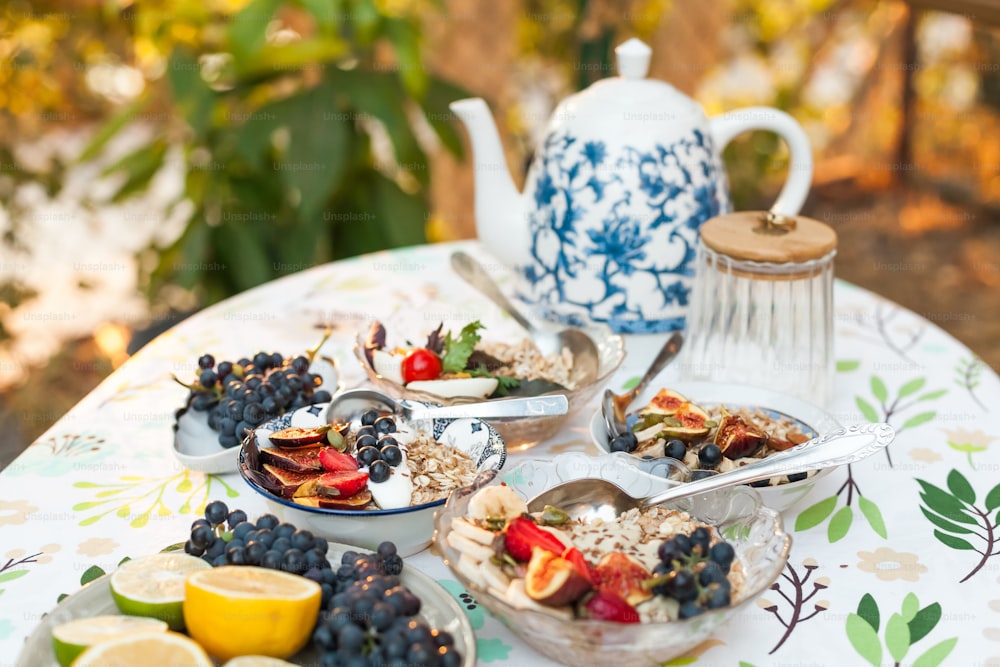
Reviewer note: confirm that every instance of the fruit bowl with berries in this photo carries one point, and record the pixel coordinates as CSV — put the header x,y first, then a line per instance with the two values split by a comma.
x,y
639,590
377,477
452,364
227,399
713,428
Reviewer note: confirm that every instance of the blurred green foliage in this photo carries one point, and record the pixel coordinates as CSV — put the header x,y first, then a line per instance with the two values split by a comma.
x,y
279,109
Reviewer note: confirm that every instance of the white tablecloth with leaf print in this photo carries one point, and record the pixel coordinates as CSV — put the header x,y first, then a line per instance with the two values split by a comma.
x,y
892,561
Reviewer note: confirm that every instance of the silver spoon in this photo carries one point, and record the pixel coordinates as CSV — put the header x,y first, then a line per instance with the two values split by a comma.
x,y
613,405
348,405
586,356
592,497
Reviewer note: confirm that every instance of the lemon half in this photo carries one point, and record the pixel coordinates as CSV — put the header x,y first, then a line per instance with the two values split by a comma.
x,y
149,648
241,610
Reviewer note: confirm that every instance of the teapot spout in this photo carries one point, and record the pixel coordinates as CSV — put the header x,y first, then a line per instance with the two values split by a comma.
x,y
500,216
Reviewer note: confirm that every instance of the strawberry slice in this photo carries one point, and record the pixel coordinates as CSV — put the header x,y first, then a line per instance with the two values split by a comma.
x,y
295,436
523,535
334,461
607,606
577,559
341,484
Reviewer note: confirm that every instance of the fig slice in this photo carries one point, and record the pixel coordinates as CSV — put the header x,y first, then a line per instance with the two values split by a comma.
x,y
737,439
666,402
622,575
552,580
295,436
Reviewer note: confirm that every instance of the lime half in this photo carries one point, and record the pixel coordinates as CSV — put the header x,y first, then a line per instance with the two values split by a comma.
x,y
147,648
153,586
70,639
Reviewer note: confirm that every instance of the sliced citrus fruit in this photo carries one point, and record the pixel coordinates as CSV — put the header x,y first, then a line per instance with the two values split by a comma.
x,y
242,610
71,639
257,661
147,648
153,586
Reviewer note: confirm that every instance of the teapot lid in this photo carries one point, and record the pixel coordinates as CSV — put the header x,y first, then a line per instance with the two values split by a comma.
x,y
629,103
761,236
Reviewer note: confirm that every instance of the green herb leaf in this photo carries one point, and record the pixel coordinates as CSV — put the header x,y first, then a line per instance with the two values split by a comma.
x,y
936,654
866,409
917,420
924,621
878,389
897,637
944,524
864,639
953,542
911,605
960,487
912,387
840,524
816,514
868,610
993,498
458,350
873,515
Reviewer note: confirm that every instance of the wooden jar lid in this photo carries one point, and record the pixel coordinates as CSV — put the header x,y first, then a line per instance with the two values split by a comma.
x,y
759,236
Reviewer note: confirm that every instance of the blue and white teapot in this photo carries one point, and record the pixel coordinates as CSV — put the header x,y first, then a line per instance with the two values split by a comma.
x,y
630,168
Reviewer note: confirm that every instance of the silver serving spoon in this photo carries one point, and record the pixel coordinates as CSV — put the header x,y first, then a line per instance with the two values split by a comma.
x,y
586,356
348,405
593,497
613,405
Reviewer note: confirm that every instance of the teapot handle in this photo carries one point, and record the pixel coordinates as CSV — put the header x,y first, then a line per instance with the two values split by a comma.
x,y
726,126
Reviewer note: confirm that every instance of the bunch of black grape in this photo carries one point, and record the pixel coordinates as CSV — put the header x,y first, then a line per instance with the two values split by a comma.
x,y
226,537
371,619
240,396
694,572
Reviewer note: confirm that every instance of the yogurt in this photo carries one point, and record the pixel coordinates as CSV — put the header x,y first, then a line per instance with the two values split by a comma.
x,y
395,492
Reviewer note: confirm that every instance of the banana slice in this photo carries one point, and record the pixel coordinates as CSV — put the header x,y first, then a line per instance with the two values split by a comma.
x,y
496,502
494,576
389,366
473,532
470,568
468,548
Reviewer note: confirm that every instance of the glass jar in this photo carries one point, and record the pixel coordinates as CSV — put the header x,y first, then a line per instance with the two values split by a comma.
x,y
762,305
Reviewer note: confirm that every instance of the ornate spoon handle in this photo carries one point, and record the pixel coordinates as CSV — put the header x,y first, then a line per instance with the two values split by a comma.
x,y
837,448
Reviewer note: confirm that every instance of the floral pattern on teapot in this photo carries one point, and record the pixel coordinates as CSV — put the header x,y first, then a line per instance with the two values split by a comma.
x,y
602,250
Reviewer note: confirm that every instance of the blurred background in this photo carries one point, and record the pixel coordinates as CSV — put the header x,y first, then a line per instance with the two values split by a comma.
x,y
156,157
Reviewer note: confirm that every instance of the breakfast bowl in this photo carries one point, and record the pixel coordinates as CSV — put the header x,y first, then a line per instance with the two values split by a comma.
x,y
778,415
577,634
518,432
439,456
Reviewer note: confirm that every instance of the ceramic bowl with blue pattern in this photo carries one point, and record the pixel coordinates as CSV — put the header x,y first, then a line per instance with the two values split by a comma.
x,y
411,528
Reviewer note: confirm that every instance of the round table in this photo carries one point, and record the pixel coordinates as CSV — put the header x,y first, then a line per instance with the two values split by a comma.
x,y
891,561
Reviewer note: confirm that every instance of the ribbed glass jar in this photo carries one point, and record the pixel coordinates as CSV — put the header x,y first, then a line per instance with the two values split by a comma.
x,y
764,323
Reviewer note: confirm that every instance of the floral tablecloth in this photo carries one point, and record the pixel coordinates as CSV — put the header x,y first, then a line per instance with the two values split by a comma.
x,y
892,561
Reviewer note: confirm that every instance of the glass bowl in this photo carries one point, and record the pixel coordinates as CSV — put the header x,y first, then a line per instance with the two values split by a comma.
x,y
812,420
411,527
519,432
755,531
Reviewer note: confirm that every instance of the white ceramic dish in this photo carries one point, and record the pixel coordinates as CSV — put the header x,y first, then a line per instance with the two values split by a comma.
x,y
411,528
779,497
438,608
197,446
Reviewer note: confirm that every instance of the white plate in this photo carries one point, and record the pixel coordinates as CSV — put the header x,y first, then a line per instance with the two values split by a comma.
x,y
197,446
779,497
438,608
